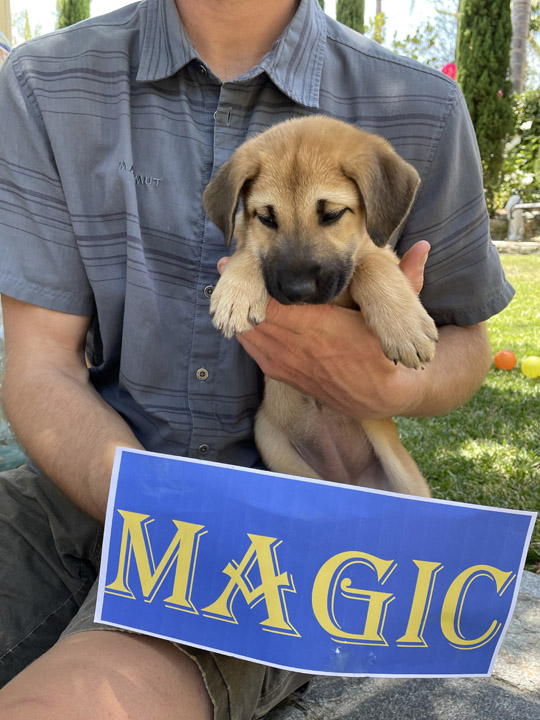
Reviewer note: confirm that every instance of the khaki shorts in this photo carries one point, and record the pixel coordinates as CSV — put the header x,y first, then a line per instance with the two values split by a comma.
x,y
49,561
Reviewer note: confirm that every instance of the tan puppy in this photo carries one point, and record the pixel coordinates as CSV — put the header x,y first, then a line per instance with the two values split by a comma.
x,y
319,201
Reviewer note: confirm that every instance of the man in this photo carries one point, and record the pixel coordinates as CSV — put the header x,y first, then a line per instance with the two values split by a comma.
x,y
114,127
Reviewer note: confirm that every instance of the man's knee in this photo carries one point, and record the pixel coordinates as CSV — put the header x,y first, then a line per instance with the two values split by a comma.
x,y
108,674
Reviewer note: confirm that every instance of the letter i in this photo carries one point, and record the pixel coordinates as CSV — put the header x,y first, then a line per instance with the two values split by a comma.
x,y
420,604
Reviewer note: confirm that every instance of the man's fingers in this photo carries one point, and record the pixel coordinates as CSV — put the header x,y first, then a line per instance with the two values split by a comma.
x,y
222,264
413,262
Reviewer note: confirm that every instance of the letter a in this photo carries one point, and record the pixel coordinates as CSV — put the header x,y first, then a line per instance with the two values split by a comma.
x,y
262,552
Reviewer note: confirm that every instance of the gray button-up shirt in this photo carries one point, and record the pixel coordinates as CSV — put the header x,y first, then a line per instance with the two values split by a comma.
x,y
109,132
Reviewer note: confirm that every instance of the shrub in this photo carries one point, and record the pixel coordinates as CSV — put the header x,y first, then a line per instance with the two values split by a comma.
x,y
483,58
521,166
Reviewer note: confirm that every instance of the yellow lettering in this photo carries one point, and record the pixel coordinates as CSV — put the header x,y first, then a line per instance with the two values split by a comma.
x,y
329,581
420,605
455,598
261,552
135,543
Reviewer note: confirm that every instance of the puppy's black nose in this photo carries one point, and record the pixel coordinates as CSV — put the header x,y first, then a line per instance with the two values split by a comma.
x,y
293,285
296,288
305,281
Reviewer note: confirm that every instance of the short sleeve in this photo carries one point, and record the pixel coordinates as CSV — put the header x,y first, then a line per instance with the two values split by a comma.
x,y
464,280
39,257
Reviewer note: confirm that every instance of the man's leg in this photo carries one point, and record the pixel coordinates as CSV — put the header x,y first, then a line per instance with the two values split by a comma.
x,y
130,675
49,555
100,674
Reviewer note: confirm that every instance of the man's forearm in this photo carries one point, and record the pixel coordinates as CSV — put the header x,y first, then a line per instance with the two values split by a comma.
x,y
329,353
67,429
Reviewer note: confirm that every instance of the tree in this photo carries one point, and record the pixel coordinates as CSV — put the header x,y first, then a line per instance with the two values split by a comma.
x,y
321,3
532,70
483,58
71,11
432,43
351,13
521,14
377,28
446,26
420,46
22,29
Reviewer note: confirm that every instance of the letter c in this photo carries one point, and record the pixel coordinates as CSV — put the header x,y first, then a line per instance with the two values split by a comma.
x,y
455,599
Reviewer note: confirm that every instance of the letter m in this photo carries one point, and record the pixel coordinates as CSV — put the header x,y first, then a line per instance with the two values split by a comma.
x,y
135,546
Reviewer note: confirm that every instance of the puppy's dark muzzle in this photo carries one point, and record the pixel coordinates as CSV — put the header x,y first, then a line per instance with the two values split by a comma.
x,y
305,283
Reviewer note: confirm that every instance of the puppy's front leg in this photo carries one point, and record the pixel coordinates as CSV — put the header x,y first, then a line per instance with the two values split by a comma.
x,y
392,309
239,299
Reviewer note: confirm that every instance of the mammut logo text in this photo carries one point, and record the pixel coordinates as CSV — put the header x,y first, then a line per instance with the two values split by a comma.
x,y
139,179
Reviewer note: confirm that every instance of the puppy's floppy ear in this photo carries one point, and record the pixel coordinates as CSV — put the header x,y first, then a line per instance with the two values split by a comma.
x,y
222,194
387,185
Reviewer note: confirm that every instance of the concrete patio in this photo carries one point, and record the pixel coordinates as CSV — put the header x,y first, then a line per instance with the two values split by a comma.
x,y
512,693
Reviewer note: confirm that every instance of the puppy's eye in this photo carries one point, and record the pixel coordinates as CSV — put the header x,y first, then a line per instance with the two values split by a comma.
x,y
331,217
268,221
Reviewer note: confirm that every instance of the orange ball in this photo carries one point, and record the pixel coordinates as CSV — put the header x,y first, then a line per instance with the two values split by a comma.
x,y
505,360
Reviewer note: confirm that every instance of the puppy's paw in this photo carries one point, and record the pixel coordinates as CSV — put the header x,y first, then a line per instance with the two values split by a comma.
x,y
236,308
412,341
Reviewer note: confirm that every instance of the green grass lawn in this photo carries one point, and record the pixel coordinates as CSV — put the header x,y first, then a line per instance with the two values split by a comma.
x,y
488,451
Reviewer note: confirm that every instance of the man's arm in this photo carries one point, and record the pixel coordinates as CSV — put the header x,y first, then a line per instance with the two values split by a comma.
x,y
58,417
329,352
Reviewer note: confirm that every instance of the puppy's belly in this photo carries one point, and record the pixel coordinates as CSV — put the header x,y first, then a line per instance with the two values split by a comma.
x,y
297,435
338,450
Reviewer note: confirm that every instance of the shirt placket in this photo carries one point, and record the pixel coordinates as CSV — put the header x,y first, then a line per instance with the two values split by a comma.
x,y
227,133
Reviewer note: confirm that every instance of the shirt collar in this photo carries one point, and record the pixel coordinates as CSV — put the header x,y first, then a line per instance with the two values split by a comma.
x,y
166,46
294,64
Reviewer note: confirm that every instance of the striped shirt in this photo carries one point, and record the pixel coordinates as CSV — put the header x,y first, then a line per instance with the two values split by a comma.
x,y
111,129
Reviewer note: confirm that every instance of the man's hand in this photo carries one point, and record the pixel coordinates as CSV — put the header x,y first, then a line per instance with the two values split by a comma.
x,y
328,352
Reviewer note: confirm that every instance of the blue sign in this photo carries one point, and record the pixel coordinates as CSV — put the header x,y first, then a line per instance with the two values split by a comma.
x,y
308,575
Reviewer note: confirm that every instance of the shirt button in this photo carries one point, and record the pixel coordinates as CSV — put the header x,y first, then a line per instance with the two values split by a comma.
x,y
203,449
203,70
202,374
208,290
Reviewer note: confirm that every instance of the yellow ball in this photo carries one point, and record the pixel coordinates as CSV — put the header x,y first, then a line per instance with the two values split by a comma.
x,y
530,366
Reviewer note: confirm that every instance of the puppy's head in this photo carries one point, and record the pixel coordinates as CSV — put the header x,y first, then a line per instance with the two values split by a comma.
x,y
315,193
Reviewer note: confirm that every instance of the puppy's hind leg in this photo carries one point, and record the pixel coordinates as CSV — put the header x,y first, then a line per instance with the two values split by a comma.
x,y
401,470
276,449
